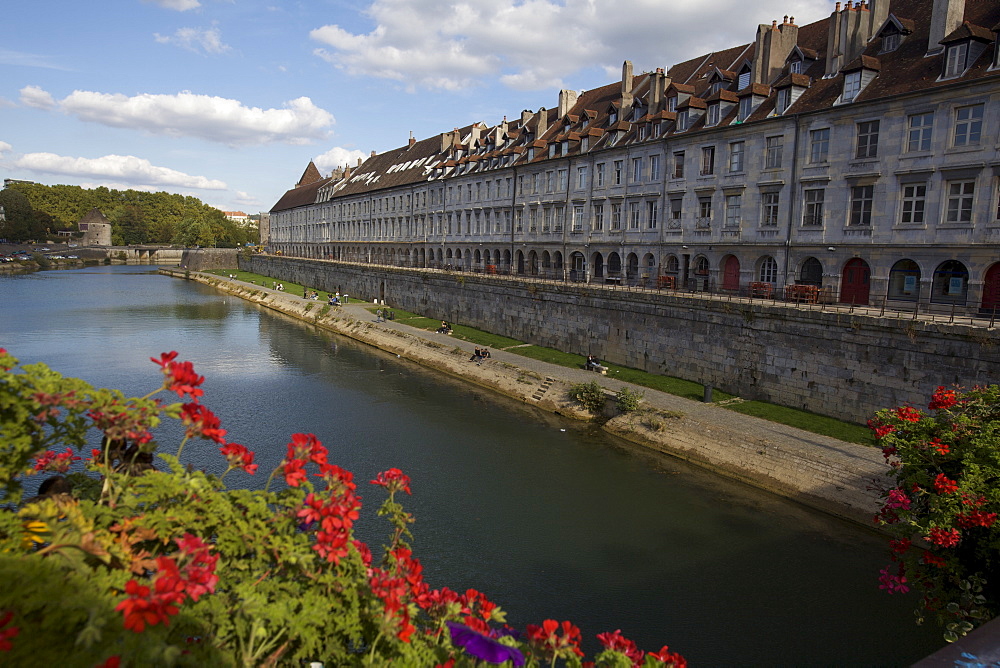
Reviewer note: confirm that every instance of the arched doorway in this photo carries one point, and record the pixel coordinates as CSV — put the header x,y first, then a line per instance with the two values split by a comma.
x,y
597,262
614,265
533,263
904,281
731,273
578,266
632,267
520,262
951,283
811,272
856,282
991,289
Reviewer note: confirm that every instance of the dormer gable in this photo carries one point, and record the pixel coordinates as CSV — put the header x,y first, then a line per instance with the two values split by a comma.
x,y
719,104
962,47
800,59
892,33
744,75
750,98
676,94
788,89
857,75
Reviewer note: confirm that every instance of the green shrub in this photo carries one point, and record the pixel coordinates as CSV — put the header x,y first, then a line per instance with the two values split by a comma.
x,y
628,400
591,395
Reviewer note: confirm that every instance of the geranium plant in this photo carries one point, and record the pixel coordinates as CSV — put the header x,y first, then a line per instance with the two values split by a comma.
x,y
941,508
140,560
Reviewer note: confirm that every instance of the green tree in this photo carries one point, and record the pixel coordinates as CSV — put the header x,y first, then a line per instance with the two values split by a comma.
x,y
128,225
194,231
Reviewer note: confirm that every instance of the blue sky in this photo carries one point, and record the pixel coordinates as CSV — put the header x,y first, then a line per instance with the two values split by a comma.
x,y
229,100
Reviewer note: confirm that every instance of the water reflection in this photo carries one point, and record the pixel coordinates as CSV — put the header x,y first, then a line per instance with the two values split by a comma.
x,y
549,517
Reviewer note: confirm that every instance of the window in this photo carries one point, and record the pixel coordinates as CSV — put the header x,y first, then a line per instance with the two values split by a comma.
x,y
861,205
768,270
634,215
682,120
547,219
772,152
598,217
713,115
819,145
968,125
744,80
733,205
519,220
578,218
813,213
784,100
852,86
536,180
636,170
914,196
707,160
867,140
654,168
562,177
769,209
672,103
746,106
679,164
890,42
960,196
955,62
616,216
918,137
560,217
704,211
581,177
652,214
676,212
795,67
533,220
736,149
600,174
619,166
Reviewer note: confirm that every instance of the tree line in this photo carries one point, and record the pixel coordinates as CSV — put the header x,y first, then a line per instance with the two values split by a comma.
x,y
36,211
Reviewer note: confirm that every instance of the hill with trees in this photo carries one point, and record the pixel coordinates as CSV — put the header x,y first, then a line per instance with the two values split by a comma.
x,y
36,211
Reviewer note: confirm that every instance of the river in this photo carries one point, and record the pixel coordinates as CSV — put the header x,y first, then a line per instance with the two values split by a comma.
x,y
549,517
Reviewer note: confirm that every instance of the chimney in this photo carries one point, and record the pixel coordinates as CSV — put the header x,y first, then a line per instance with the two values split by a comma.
x,y
447,141
412,138
657,88
525,117
774,43
626,110
567,99
542,124
347,172
946,16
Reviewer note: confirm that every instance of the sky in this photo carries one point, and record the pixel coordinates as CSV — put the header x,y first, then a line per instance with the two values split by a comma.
x,y
229,100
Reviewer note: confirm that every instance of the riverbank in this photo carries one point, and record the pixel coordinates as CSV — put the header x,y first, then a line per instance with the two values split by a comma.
x,y
821,472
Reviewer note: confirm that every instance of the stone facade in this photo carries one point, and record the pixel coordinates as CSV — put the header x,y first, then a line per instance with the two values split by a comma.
x,y
829,362
848,160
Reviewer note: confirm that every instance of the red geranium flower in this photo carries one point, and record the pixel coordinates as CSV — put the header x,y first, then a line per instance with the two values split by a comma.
x,y
944,485
393,480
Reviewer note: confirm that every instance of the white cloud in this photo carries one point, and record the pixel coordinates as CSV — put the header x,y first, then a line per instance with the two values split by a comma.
x,y
198,40
5,147
177,5
33,96
532,44
126,168
206,117
337,157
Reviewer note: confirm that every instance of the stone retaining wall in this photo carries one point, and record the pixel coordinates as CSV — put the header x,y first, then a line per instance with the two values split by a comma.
x,y
829,362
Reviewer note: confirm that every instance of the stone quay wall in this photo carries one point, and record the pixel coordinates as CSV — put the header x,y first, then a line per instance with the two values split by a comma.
x,y
831,362
204,259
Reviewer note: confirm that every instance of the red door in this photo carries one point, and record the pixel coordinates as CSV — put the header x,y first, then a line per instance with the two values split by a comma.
x,y
854,286
731,274
991,289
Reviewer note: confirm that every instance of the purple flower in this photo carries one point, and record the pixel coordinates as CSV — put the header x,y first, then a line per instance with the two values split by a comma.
x,y
483,647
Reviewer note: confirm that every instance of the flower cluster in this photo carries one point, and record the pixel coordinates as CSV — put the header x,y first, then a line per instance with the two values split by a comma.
x,y
943,465
58,463
551,644
145,606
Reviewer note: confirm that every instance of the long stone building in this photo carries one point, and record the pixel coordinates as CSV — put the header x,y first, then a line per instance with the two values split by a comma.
x,y
854,159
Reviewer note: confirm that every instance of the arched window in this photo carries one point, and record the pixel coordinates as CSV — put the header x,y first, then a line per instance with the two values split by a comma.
x,y
673,265
701,266
768,270
904,281
951,283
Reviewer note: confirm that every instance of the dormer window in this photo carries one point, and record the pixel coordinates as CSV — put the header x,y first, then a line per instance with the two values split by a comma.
x,y
852,86
795,67
890,42
716,87
955,62
584,144
744,80
613,117
672,103
746,106
643,131
784,100
552,150
713,114
682,120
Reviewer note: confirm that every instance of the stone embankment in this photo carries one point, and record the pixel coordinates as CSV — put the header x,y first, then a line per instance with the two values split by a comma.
x,y
821,472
